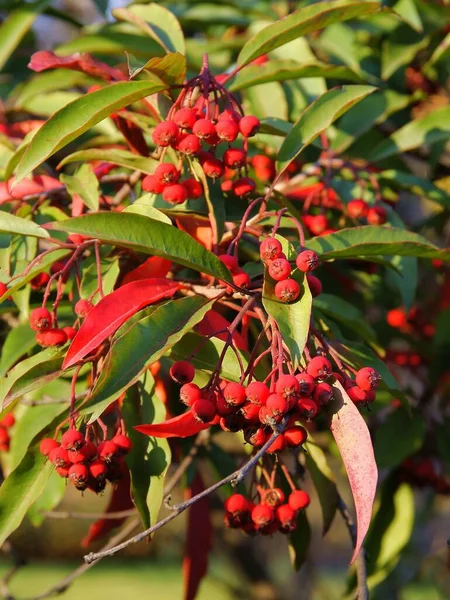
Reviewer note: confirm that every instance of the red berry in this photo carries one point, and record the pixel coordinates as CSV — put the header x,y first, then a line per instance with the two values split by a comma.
x,y
298,500
357,209
279,269
270,249
319,367
287,385
264,167
89,450
306,383
273,497
241,279
234,158
234,394
204,410
59,457
40,280
193,188
230,262
376,215
226,186
397,318
267,417
70,332
249,126
8,421
256,436
314,284
262,515
175,193
287,290
152,184
278,445
182,372
63,471
107,451
307,407
223,408
47,445
317,224
295,436
51,337
167,173
190,393
243,187
250,412
277,404
228,115
212,166
4,287
98,469
188,144
185,118
204,129
323,393
72,440
236,503
367,379
83,308
227,130
307,261
165,133
79,475
40,319
357,395
123,442
257,392
287,517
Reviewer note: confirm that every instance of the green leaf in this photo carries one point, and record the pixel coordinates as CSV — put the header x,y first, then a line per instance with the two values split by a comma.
x,y
20,489
170,69
414,184
84,184
400,48
149,236
149,458
299,23
318,116
299,541
390,447
53,493
344,312
144,206
409,13
19,341
12,224
292,319
433,127
78,116
142,344
323,480
440,53
284,70
370,240
109,271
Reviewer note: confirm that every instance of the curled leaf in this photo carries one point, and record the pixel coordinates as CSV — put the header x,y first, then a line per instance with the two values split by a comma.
x,y
44,60
180,426
155,266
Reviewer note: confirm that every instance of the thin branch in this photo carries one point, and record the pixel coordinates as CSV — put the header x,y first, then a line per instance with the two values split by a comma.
x,y
66,514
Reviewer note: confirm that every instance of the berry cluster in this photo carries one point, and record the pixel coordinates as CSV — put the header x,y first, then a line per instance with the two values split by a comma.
x,y
86,463
5,425
47,334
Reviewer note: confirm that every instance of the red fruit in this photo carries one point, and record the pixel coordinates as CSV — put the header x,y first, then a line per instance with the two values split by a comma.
x,y
190,393
250,412
376,215
204,410
107,451
307,261
63,471
175,193
204,129
227,130
317,224
59,457
397,318
185,118
226,186
306,383
152,184
230,262
40,319
287,290
278,445
243,187
277,404
307,407
83,308
4,287
249,126
232,423
266,416
367,379
212,166
319,367
257,392
79,475
299,500
165,133
47,445
72,440
315,285
357,395
167,173
295,436
228,115
234,158
273,497
70,332
223,408
123,443
8,421
236,503
182,372
193,188
323,393
234,394
188,144
51,337
279,269
98,469
357,209
262,515
270,249
256,436
287,385
370,396
287,518
242,279
264,166
37,282
89,451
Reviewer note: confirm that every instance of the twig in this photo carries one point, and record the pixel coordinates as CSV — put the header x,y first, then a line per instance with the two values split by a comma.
x,y
65,514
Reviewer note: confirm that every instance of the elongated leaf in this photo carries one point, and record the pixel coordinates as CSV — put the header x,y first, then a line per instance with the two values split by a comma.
x,y
78,116
53,493
112,311
303,21
344,312
170,69
355,446
109,271
292,319
323,480
400,48
83,184
144,343
114,156
365,241
440,53
390,448
182,426
13,224
416,185
20,340
318,116
148,236
433,127
299,541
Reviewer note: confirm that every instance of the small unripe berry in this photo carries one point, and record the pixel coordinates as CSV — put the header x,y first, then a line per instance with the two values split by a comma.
x,y
190,393
204,410
306,383
51,337
72,440
236,503
152,184
167,173
262,515
243,187
299,500
307,261
40,319
287,290
83,308
287,385
295,436
257,392
193,188
270,249
307,407
357,209
249,126
230,262
188,144
234,394
182,372
315,286
175,193
47,445
227,130
123,442
59,457
279,269
376,215
367,378
319,367
234,158
204,129
165,133
185,118
323,393
107,451
79,475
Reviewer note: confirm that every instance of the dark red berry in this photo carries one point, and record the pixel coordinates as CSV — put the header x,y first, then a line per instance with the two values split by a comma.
x,y
72,440
98,469
270,249
257,392
204,129
182,372
40,319
39,281
357,395
256,436
306,383
278,445
204,410
165,133
188,144
323,393
262,515
277,404
298,500
230,262
227,130
287,290
63,471
51,337
59,457
287,385
307,261
279,269
234,158
314,284
212,166
107,451
287,518
249,126
236,503
250,412
241,279
307,407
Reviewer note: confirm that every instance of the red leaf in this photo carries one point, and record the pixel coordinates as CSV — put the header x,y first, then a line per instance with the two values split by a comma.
x,y
198,540
214,321
120,500
112,311
198,228
24,188
155,266
44,59
21,128
355,446
181,426
133,135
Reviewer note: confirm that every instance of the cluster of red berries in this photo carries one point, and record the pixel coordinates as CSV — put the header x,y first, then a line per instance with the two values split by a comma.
x,y
374,215
273,513
411,321
5,424
42,321
279,268
240,277
86,464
